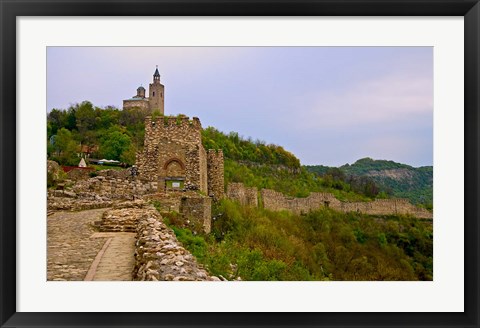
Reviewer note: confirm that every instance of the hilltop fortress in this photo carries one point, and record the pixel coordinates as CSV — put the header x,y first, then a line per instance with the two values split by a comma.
x,y
177,171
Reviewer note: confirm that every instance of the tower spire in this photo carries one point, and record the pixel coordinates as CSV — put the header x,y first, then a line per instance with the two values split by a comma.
x,y
156,93
156,75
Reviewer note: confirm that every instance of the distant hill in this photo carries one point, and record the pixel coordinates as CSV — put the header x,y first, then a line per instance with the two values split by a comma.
x,y
396,179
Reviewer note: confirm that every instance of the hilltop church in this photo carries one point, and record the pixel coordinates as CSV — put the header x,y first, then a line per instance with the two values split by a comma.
x,y
155,100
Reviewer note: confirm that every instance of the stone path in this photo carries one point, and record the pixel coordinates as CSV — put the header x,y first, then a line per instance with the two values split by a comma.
x,y
70,250
76,251
116,260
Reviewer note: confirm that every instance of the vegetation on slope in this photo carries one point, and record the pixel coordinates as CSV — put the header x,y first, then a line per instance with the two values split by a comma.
x,y
270,166
391,178
257,244
239,149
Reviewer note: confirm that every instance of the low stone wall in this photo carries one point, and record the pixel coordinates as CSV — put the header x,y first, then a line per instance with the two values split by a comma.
x,y
159,255
199,210
123,218
276,201
55,203
169,202
79,174
115,188
388,207
244,195
97,192
116,174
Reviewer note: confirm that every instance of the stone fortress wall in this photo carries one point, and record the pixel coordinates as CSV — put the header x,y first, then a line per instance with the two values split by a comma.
x,y
247,196
114,187
215,172
276,201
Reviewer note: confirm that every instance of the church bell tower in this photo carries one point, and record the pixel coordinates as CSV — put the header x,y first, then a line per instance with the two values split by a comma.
x,y
156,94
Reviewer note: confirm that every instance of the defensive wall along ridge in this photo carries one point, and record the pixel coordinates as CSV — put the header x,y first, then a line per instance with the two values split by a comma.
x,y
276,201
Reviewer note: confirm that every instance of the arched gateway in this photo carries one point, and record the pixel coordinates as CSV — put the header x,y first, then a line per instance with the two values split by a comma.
x,y
174,174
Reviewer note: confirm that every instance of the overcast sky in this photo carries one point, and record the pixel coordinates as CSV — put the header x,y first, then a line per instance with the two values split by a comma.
x,y
327,105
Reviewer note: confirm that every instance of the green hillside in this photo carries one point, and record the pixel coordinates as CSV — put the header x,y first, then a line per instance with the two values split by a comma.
x,y
257,244
394,179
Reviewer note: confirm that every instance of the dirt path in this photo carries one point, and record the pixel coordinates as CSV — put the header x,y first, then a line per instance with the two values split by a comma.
x,y
76,251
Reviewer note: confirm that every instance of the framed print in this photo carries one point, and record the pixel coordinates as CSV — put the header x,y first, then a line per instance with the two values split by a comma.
x,y
147,212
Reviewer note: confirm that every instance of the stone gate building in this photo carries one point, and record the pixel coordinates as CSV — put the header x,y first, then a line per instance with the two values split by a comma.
x,y
174,157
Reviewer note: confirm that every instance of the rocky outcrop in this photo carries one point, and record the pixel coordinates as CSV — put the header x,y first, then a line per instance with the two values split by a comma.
x,y
54,173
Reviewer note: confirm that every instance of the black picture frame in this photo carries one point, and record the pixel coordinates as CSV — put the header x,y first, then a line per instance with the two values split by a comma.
x,y
470,9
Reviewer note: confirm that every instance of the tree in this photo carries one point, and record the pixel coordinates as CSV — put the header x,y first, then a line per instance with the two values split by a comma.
x,y
105,118
128,156
115,143
85,120
65,147
57,119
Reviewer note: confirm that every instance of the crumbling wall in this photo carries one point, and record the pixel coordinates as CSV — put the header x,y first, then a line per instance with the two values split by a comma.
x,y
114,188
276,201
123,218
199,210
244,195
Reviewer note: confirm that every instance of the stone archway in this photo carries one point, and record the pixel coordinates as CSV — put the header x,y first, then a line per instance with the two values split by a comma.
x,y
174,174
174,168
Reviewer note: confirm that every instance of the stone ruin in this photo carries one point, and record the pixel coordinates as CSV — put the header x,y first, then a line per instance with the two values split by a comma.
x,y
276,201
173,165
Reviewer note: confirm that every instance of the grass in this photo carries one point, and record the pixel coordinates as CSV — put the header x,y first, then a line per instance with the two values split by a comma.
x,y
106,167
